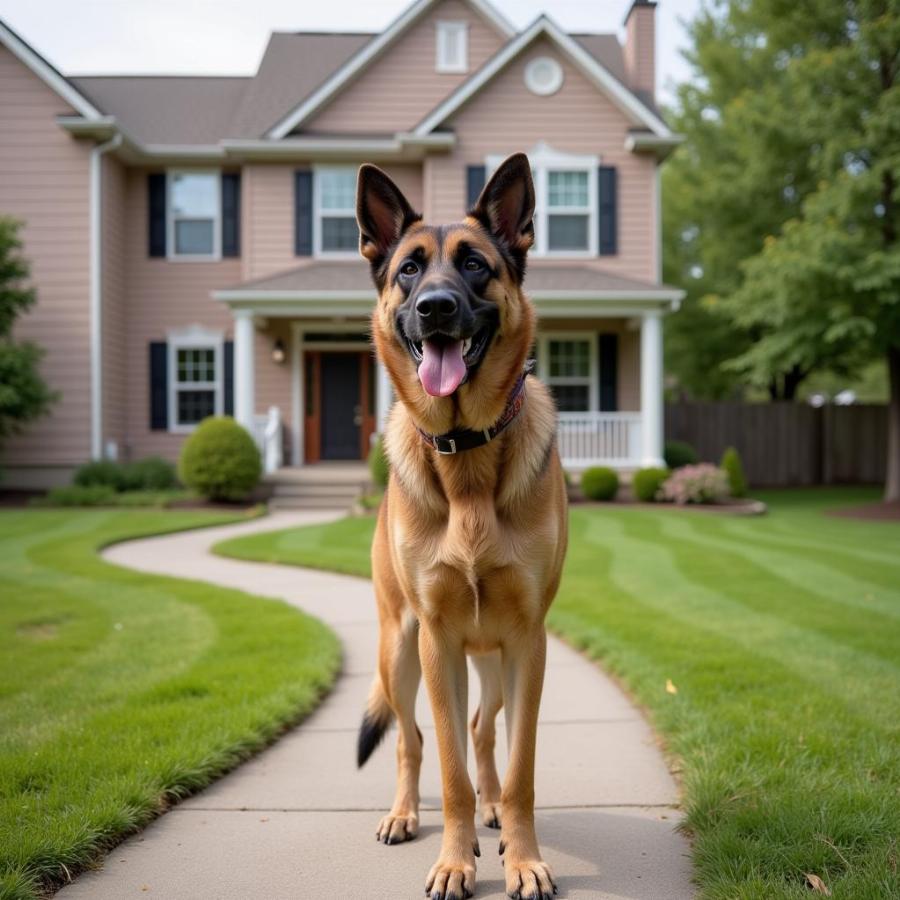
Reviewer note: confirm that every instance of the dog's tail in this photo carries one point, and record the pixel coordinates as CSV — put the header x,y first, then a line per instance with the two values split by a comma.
x,y
375,723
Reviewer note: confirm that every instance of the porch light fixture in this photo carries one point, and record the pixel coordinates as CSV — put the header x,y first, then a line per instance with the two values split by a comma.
x,y
278,355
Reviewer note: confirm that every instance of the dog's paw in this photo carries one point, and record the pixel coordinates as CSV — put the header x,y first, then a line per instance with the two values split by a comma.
x,y
395,829
490,814
450,880
529,879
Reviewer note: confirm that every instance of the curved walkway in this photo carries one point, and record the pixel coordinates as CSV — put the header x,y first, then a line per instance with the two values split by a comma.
x,y
299,819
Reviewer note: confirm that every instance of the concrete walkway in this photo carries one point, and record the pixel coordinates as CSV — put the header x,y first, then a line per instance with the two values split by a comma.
x,y
298,821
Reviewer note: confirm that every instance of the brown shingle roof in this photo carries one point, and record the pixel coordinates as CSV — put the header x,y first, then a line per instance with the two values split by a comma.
x,y
352,275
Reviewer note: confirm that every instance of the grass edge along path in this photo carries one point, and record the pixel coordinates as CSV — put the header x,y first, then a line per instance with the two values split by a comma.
x,y
773,634
101,728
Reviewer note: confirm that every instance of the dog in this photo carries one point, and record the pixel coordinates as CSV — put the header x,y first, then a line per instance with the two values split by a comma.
x,y
472,532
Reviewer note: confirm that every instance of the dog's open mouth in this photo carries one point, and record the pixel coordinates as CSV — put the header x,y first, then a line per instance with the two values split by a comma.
x,y
444,362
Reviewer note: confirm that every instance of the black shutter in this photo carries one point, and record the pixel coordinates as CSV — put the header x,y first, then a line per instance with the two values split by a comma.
x,y
231,214
159,386
475,178
608,210
609,372
228,373
156,209
303,213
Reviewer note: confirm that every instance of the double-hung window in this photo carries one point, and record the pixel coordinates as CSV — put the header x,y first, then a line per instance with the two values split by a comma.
x,y
335,211
569,367
194,215
195,378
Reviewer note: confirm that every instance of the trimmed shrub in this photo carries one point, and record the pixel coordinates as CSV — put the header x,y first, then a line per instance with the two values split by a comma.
x,y
678,454
646,483
78,495
734,469
103,472
219,460
599,483
703,483
153,473
379,467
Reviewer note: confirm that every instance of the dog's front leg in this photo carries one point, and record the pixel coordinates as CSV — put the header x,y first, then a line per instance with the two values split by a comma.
x,y
443,658
527,875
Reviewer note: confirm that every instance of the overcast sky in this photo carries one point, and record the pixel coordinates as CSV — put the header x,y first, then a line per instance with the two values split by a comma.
x,y
228,36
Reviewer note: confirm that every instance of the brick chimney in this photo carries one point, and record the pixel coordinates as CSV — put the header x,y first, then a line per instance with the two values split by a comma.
x,y
640,46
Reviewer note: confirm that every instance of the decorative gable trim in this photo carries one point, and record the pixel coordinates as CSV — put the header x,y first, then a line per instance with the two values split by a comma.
x,y
367,54
54,79
633,108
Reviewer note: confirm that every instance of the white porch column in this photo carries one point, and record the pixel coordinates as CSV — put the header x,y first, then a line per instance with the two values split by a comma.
x,y
383,397
651,389
244,390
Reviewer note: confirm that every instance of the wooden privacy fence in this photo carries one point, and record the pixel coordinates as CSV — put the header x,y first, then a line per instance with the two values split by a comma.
x,y
786,444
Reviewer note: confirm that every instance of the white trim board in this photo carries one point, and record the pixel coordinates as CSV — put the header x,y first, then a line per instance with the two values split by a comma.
x,y
53,79
595,72
367,54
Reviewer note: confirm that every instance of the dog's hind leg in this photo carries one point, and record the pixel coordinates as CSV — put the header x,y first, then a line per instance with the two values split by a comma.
x,y
490,673
399,675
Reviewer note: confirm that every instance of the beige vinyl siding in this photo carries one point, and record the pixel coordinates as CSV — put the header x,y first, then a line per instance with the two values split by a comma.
x,y
115,318
162,295
505,117
628,370
400,88
267,213
44,182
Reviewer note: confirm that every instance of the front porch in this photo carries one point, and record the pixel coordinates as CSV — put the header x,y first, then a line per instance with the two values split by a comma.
x,y
308,388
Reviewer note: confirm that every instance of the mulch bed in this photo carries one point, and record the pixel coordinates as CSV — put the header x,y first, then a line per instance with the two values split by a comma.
x,y
870,512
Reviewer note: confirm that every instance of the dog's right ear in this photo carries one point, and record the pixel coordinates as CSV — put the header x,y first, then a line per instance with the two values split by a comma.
x,y
382,213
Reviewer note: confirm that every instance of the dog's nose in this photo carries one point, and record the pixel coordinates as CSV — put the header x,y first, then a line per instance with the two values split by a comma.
x,y
436,307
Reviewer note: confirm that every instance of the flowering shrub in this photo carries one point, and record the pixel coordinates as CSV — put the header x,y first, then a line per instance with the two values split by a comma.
x,y
703,483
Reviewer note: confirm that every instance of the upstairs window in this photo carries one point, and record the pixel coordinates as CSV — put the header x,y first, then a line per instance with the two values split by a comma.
x,y
335,191
452,50
568,209
194,215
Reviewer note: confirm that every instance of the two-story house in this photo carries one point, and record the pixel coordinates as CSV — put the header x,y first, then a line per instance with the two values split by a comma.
x,y
194,245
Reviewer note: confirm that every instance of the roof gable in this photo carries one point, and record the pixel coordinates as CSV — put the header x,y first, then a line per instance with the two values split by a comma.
x,y
367,54
51,76
634,109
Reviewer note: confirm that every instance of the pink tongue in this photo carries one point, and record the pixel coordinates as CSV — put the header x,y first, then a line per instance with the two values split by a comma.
x,y
442,368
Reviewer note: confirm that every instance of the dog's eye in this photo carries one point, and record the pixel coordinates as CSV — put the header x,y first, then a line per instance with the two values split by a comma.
x,y
473,264
409,268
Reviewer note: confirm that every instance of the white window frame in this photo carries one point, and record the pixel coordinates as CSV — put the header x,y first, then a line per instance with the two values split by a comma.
x,y
442,64
319,214
592,379
195,337
544,159
171,253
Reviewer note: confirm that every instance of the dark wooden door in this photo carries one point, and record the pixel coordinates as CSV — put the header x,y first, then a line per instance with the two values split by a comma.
x,y
341,413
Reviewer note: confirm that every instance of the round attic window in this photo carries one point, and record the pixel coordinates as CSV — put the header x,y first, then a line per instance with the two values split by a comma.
x,y
543,76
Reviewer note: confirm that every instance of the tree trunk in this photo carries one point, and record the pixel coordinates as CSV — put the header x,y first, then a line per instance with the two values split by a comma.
x,y
892,480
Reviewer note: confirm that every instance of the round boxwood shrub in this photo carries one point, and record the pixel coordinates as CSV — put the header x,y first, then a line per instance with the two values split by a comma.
x,y
219,460
153,473
101,472
379,467
599,483
679,453
646,483
734,469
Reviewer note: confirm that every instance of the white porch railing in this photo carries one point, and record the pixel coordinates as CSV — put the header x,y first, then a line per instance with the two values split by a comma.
x,y
599,439
268,433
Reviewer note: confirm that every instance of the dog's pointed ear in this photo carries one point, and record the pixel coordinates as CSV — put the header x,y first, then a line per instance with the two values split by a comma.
x,y
382,213
506,205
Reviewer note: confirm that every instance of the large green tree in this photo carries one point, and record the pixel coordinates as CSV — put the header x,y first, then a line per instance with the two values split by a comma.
x,y
23,394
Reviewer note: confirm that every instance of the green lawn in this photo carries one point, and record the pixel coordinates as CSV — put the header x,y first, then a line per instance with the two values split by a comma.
x,y
122,692
781,635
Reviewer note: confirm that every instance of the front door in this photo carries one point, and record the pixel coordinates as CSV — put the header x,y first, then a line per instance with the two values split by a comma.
x,y
340,415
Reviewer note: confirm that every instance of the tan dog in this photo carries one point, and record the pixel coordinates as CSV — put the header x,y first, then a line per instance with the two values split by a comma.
x,y
469,544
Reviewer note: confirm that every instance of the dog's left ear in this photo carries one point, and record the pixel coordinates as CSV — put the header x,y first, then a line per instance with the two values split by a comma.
x,y
382,213
506,205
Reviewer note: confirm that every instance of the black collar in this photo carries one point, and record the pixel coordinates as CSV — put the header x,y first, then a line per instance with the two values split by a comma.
x,y
462,439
